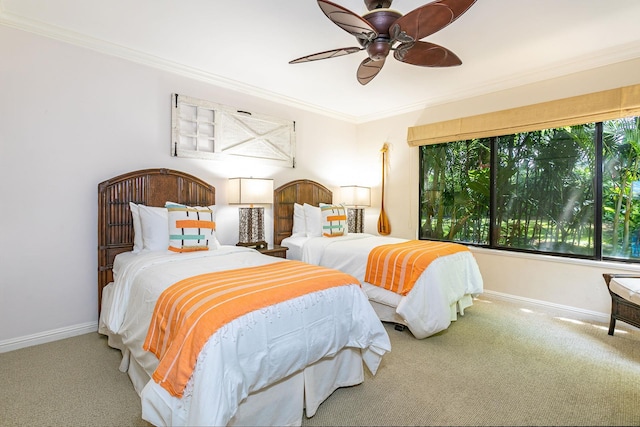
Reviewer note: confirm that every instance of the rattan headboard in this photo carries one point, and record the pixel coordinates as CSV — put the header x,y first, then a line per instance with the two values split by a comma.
x,y
151,187
300,191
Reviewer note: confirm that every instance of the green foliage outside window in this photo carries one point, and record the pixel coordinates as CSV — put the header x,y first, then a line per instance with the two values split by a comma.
x,y
620,188
454,191
543,190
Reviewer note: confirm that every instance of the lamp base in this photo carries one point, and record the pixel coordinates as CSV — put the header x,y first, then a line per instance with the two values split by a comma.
x,y
251,224
355,220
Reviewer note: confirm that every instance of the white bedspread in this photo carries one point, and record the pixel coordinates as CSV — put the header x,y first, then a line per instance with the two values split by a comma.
x,y
430,306
247,354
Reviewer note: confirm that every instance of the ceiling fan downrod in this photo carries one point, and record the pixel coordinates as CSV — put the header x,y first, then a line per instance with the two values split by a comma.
x,y
377,4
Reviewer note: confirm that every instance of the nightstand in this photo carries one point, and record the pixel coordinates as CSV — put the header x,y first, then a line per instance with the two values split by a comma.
x,y
276,251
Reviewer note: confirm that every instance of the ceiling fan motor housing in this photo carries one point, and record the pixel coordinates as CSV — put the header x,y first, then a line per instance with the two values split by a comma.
x,y
379,49
381,20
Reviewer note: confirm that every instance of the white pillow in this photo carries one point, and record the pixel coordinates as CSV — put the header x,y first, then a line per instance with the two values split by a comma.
x,y
313,220
155,228
299,226
137,228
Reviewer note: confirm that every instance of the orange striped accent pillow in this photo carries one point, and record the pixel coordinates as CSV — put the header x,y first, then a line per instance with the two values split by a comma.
x,y
191,228
191,310
334,220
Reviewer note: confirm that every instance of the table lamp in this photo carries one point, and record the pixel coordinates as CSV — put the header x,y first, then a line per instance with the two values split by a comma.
x,y
355,198
251,191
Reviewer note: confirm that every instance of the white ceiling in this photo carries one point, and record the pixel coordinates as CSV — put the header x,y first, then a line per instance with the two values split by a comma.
x,y
246,45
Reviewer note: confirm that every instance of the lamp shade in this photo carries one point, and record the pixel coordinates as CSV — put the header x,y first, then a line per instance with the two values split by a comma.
x,y
249,191
354,195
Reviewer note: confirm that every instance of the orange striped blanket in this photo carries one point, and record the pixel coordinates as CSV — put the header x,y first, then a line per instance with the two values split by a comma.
x,y
397,266
188,312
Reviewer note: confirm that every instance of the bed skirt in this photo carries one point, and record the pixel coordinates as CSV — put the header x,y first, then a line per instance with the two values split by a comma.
x,y
388,313
281,404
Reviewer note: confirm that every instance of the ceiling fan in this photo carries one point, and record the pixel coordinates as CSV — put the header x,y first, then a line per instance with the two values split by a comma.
x,y
382,30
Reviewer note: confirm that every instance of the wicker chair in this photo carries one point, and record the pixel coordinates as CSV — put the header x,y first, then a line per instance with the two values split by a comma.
x,y
621,308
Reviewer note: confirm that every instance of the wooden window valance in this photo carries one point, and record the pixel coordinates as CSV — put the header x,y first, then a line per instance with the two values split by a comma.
x,y
593,107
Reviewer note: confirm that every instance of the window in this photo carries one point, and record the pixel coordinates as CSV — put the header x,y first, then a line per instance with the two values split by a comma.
x,y
570,191
620,188
454,192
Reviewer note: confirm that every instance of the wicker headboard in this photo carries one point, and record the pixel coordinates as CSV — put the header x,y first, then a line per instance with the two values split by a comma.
x,y
300,191
151,187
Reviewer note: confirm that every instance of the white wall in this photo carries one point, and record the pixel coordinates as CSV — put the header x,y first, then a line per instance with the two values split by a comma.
x,y
71,118
552,280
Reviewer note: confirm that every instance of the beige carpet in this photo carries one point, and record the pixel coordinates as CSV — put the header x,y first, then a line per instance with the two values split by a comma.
x,y
501,364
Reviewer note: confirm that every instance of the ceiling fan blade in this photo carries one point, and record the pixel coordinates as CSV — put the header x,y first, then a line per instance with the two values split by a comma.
x,y
348,21
428,19
326,54
368,69
426,54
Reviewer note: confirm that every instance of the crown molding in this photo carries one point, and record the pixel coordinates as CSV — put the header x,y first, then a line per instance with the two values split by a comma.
x,y
622,53
533,75
119,51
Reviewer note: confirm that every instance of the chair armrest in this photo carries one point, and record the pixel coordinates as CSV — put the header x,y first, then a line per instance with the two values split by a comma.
x,y
609,276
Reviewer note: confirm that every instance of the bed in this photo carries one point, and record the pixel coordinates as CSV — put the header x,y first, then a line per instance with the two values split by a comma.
x,y
441,293
260,366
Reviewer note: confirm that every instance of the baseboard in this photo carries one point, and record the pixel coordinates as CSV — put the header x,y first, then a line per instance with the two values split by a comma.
x,y
47,336
72,331
588,314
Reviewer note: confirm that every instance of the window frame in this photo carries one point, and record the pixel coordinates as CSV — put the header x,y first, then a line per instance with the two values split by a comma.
x,y
598,219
